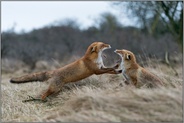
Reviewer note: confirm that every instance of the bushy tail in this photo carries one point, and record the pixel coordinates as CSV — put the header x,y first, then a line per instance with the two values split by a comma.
x,y
41,76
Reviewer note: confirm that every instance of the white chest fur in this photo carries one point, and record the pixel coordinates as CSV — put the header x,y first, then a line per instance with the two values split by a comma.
x,y
122,67
99,60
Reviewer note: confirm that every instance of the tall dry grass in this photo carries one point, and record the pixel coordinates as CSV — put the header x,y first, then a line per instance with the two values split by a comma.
x,y
95,99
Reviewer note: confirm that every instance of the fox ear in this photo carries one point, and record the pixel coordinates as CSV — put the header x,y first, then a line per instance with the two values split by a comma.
x,y
93,49
128,57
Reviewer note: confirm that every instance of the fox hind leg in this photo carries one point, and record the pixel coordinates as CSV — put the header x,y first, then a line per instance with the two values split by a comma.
x,y
54,87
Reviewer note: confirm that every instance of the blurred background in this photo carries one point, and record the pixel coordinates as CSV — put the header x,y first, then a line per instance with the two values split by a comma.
x,y
61,31
41,36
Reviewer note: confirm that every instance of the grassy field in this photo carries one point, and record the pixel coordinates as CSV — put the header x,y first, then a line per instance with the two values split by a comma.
x,y
96,99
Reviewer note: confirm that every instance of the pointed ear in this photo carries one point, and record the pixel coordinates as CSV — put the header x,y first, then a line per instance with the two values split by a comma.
x,y
128,57
93,49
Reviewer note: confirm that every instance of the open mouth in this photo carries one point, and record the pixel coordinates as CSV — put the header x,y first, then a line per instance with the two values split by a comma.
x,y
119,52
103,55
116,51
121,57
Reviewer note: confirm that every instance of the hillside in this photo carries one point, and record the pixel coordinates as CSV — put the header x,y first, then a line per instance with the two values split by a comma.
x,y
96,99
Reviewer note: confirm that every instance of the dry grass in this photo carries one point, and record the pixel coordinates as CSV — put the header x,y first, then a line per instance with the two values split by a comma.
x,y
95,99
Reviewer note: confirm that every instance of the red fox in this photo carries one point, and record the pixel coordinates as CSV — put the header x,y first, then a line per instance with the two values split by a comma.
x,y
91,63
135,73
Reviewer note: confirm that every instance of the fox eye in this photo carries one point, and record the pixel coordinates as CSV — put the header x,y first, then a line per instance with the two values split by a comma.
x,y
128,57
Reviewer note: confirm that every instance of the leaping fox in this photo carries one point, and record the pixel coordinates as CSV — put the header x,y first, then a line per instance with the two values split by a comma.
x,y
91,63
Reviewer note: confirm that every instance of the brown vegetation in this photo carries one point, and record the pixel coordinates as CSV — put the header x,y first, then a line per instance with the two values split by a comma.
x,y
97,98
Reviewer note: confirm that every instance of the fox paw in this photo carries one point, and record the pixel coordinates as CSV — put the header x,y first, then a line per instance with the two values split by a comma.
x,y
119,71
127,82
121,85
116,66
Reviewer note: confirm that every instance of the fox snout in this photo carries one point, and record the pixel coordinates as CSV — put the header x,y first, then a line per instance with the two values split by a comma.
x,y
107,46
117,51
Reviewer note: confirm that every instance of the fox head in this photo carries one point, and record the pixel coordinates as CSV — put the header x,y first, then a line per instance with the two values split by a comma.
x,y
128,58
94,52
97,48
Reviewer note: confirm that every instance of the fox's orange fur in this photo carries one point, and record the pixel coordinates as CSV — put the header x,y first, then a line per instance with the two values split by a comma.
x,y
134,72
91,63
